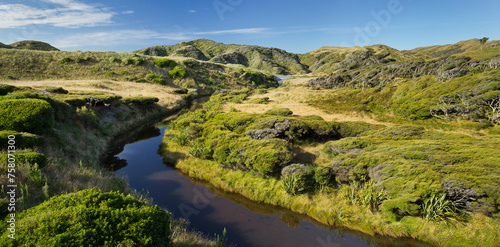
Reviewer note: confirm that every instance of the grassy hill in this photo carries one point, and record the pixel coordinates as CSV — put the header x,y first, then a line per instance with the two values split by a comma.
x,y
465,46
33,45
2,45
272,60
21,64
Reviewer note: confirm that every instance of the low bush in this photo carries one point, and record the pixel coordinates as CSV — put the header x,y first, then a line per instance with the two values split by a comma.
x,y
28,158
323,176
178,72
140,100
164,62
65,60
292,184
352,129
5,89
26,115
150,77
22,139
141,80
159,80
57,90
92,218
279,112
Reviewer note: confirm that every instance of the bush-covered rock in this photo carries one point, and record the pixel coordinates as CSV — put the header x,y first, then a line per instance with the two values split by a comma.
x,y
22,139
29,158
26,115
92,218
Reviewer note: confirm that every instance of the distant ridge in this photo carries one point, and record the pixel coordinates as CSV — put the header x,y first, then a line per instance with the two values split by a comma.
x,y
33,45
2,45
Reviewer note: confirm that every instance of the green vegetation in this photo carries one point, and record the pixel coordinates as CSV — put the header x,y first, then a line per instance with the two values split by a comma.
x,y
29,115
28,158
140,100
57,90
92,218
23,140
178,72
164,62
33,45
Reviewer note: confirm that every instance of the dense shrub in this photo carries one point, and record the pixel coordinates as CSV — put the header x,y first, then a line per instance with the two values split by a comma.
x,y
92,218
5,89
28,115
323,175
57,90
165,62
65,60
264,100
178,72
22,139
345,145
279,112
27,158
150,77
141,80
351,129
159,80
140,100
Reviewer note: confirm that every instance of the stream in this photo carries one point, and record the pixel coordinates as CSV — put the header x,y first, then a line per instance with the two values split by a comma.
x,y
210,210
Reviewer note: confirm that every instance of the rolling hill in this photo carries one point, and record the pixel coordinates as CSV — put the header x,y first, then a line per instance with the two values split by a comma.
x,y
33,45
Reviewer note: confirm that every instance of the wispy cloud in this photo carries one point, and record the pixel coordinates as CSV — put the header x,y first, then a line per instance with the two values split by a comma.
x,y
128,12
59,13
192,11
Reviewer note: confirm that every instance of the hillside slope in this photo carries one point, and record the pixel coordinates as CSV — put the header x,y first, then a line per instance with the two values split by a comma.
x,y
272,60
452,49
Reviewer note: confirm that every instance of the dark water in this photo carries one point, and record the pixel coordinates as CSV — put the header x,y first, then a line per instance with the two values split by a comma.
x,y
211,210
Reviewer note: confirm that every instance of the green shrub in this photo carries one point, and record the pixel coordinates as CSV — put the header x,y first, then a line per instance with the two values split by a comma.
x,y
108,99
26,115
292,184
150,77
139,61
344,145
159,80
114,60
352,129
178,72
22,139
123,72
65,60
28,158
87,117
57,90
10,77
164,62
141,80
323,175
128,61
279,112
198,149
5,89
140,100
437,208
92,218
110,73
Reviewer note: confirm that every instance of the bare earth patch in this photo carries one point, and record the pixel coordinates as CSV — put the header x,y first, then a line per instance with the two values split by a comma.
x,y
122,88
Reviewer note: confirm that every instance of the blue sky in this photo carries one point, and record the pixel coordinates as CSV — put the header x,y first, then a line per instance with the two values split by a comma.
x,y
292,25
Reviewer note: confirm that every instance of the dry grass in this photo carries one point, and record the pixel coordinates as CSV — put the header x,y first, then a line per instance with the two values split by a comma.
x,y
122,88
293,95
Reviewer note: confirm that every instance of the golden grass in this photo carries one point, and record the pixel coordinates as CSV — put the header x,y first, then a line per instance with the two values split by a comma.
x,y
293,95
122,88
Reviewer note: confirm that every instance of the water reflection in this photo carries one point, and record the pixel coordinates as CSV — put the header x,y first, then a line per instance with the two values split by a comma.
x,y
211,210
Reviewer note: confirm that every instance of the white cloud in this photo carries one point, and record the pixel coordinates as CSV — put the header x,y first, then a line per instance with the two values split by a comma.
x,y
59,13
128,12
192,11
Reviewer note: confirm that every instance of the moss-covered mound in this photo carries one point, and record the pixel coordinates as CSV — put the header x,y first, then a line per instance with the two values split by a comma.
x,y
92,218
28,115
